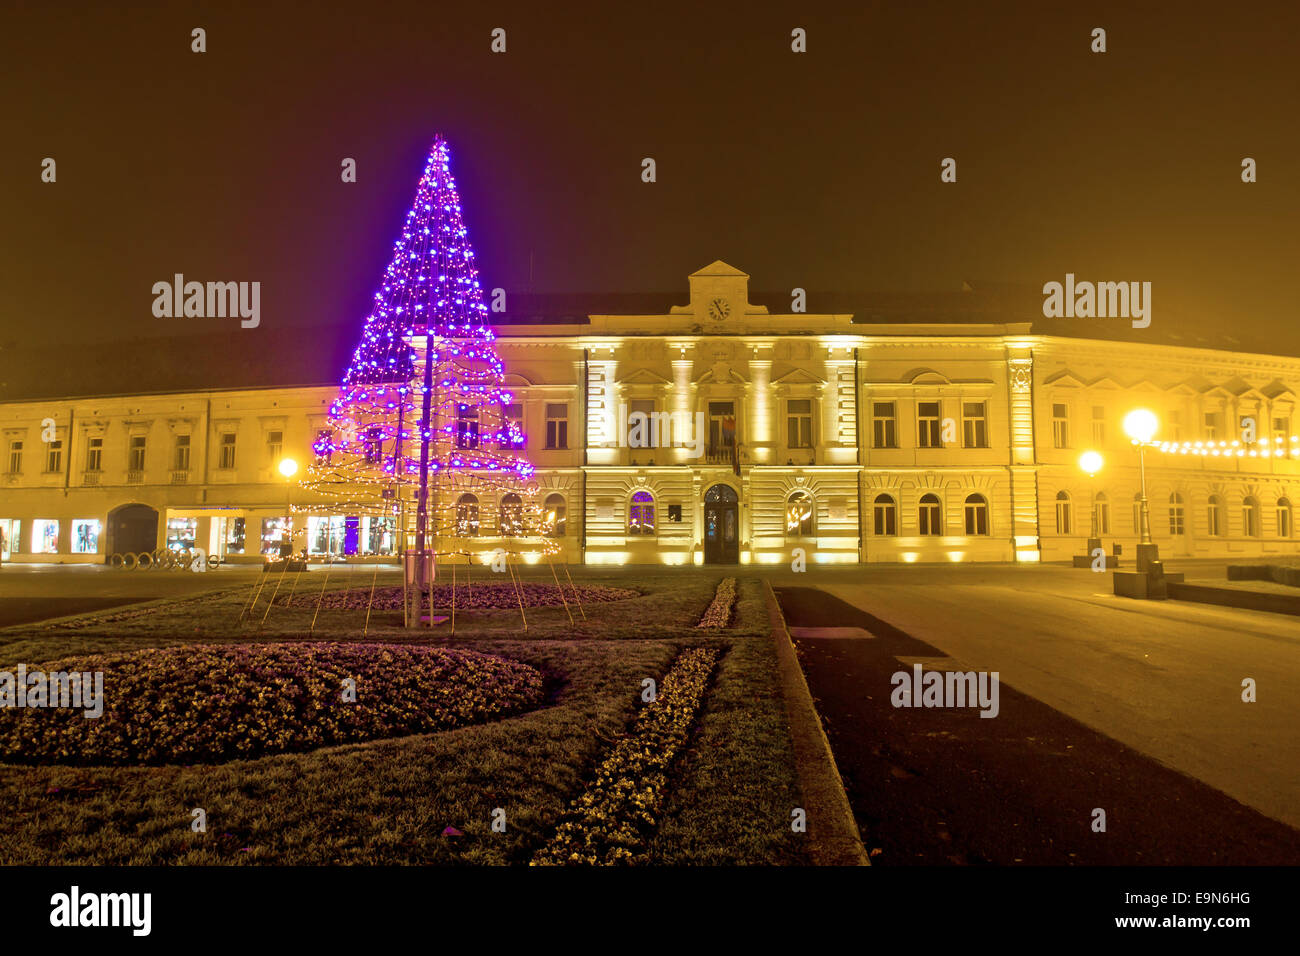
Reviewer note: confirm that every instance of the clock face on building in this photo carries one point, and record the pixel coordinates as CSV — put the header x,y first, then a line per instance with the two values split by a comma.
x,y
719,309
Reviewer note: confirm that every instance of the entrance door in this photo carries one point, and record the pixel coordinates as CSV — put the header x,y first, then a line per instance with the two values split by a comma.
x,y
132,528
721,526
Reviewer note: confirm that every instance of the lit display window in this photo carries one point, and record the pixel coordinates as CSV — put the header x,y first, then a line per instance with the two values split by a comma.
x,y
181,533
45,536
85,536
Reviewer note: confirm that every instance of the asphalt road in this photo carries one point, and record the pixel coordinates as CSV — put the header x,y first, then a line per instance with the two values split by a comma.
x,y
1132,707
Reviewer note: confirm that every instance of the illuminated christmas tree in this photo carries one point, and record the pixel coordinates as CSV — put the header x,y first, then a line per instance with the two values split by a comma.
x,y
420,426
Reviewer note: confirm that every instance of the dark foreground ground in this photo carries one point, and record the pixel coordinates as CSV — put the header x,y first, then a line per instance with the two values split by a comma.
x,y
936,786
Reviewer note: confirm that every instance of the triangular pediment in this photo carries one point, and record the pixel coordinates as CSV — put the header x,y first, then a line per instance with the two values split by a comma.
x,y
1064,379
644,376
798,376
719,268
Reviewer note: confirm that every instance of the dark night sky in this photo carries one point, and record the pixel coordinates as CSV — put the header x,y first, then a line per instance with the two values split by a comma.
x,y
818,170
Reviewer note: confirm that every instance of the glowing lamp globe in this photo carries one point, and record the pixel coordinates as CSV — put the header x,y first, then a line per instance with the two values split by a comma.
x,y
1140,425
1091,462
288,467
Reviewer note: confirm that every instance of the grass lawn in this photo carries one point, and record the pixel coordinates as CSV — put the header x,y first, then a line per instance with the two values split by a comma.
x,y
389,801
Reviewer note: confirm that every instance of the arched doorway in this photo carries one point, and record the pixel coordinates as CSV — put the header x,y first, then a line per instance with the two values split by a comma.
x,y
132,528
721,525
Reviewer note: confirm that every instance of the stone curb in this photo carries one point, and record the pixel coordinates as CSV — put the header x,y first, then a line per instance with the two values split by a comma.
x,y
834,832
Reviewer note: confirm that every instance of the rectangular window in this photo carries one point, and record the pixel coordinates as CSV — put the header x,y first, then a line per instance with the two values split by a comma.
x,y
466,426
1176,426
974,425
884,425
94,454
45,536
15,457
277,535
512,419
927,421
722,427
1060,426
798,423
1281,438
54,456
85,536
641,424
136,458
1101,513
322,445
557,425
372,445
182,460
274,446
1212,425
1099,424
226,459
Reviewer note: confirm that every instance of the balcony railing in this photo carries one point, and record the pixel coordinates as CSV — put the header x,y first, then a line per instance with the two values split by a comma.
x,y
135,477
719,454
90,479
180,477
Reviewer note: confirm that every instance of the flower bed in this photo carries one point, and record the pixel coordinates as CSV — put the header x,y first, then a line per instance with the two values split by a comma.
x,y
471,597
719,611
202,704
612,821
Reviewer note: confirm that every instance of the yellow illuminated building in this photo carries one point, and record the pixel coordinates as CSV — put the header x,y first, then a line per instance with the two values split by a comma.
x,y
723,432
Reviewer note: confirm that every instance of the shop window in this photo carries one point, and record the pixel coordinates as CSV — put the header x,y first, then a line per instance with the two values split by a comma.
x,y
325,533
381,534
45,536
234,535
182,533
85,536
277,535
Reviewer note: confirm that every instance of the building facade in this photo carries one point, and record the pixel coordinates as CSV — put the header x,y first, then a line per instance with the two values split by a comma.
x,y
722,432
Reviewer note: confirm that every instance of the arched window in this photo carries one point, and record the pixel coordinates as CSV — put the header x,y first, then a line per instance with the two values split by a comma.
x,y
931,515
553,516
467,516
798,514
977,515
1214,516
885,515
1250,517
1101,512
641,516
1062,512
1284,517
512,515
1176,522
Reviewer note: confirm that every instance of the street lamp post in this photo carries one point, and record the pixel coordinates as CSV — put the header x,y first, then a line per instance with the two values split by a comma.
x,y
288,468
1140,425
1091,463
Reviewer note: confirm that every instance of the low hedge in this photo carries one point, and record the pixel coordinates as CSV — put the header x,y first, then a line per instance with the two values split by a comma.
x,y
209,703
